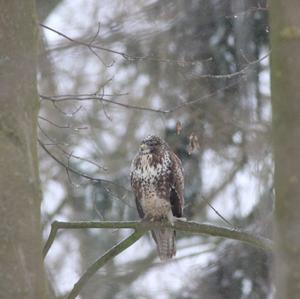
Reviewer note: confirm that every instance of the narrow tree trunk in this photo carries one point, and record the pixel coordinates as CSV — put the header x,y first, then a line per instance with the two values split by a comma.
x,y
285,64
21,272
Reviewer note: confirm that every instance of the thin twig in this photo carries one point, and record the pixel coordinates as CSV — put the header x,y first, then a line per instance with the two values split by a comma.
x,y
68,173
91,46
219,214
124,55
74,170
61,126
70,155
51,238
53,123
207,96
97,33
237,73
94,93
101,99
128,106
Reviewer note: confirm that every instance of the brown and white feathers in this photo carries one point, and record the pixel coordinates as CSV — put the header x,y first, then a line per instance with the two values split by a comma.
x,y
157,182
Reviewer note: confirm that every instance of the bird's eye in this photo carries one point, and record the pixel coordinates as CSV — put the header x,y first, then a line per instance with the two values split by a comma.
x,y
153,143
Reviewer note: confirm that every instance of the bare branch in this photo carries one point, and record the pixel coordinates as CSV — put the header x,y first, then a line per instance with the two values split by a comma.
x,y
53,123
207,96
180,225
237,73
141,227
69,114
128,106
75,171
91,46
219,214
94,97
102,99
71,155
61,126
108,255
51,238
97,33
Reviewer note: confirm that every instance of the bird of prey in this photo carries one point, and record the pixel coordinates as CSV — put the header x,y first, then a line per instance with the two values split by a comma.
x,y
157,182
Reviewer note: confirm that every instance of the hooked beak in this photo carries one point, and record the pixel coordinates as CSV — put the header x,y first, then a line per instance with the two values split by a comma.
x,y
144,148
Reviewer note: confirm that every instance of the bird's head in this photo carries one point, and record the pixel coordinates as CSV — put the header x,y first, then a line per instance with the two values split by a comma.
x,y
152,144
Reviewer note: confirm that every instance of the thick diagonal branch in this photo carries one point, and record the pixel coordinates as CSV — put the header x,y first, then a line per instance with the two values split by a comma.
x,y
108,255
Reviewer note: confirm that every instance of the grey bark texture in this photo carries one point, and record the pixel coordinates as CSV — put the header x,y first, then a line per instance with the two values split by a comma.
x,y
285,64
21,274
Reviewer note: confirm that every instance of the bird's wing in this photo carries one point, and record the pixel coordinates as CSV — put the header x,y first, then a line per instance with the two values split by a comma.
x,y
177,186
136,187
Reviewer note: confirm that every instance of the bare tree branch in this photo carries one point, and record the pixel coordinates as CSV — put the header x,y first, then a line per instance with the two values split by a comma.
x,y
61,126
140,228
237,73
70,155
180,225
108,255
93,97
75,171
91,46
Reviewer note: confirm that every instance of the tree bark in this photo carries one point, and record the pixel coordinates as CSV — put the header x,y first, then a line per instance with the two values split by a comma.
x,y
45,7
285,74
21,274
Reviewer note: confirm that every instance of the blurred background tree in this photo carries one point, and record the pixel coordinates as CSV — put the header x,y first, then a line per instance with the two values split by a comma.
x,y
22,273
203,66
286,145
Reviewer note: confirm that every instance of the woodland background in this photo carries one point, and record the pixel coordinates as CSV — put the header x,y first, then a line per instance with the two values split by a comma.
x,y
196,73
214,53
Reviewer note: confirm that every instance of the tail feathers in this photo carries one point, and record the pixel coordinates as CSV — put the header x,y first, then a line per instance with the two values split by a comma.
x,y
165,241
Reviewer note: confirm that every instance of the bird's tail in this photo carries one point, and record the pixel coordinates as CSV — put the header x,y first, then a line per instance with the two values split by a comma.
x,y
165,241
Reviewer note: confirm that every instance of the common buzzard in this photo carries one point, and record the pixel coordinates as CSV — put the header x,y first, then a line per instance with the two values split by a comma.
x,y
157,182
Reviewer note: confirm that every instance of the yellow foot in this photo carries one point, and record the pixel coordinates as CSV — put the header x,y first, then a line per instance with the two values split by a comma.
x,y
171,218
148,218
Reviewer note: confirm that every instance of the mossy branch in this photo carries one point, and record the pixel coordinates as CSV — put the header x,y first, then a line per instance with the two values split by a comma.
x,y
140,228
179,225
108,255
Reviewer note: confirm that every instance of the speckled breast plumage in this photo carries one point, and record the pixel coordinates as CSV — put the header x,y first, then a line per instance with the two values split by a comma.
x,y
150,176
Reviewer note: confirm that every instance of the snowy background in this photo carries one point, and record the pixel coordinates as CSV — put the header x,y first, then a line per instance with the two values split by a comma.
x,y
211,57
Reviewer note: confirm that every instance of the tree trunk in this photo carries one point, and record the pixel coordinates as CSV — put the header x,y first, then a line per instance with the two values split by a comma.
x,y
21,274
285,64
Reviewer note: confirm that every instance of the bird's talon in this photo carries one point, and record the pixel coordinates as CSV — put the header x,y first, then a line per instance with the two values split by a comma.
x,y
181,218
